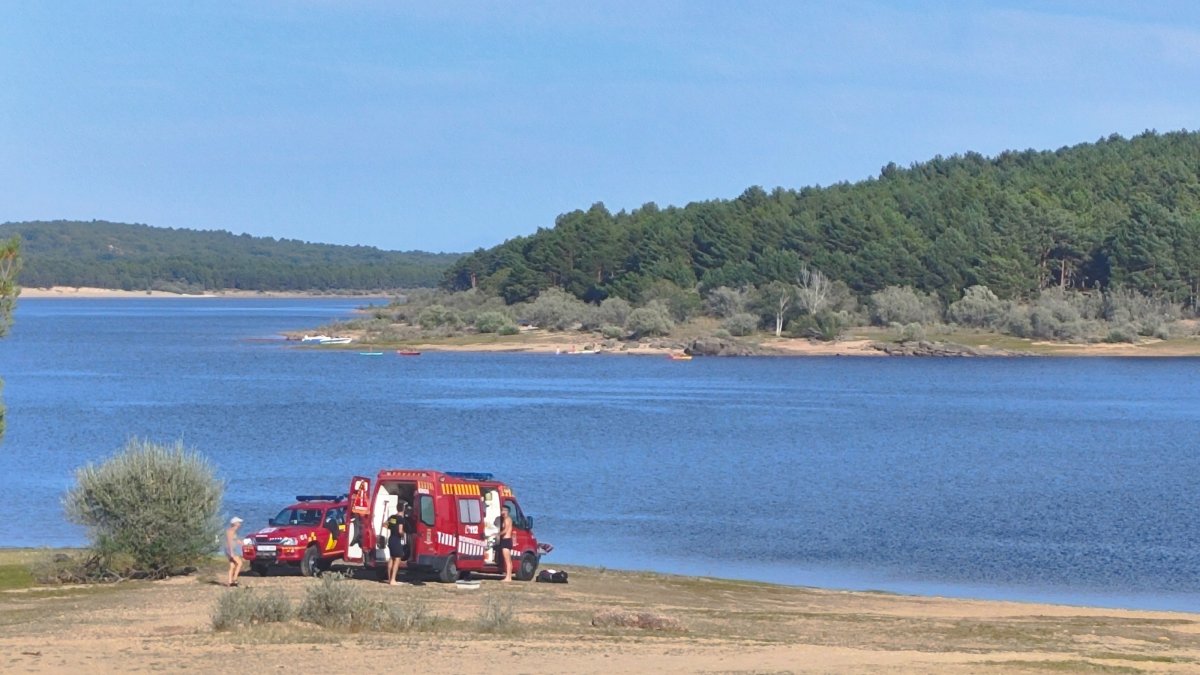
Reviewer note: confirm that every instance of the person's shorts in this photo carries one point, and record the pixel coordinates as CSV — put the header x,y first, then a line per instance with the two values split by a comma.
x,y
396,547
505,543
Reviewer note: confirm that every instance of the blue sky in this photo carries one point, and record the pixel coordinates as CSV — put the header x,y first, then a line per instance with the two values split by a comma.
x,y
450,126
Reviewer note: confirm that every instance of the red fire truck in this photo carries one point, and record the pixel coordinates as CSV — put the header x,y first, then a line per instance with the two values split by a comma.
x,y
453,526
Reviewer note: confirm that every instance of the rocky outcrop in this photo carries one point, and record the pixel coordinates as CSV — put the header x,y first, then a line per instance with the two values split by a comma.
x,y
927,348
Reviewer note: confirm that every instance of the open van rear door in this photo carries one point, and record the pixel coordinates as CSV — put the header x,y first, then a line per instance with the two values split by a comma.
x,y
360,537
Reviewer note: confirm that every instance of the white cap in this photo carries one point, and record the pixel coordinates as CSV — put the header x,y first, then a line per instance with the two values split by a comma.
x,y
235,520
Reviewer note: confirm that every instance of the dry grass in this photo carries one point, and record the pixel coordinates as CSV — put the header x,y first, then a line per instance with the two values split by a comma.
x,y
603,621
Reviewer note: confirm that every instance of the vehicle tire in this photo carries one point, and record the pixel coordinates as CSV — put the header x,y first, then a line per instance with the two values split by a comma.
x,y
308,564
449,571
261,569
528,567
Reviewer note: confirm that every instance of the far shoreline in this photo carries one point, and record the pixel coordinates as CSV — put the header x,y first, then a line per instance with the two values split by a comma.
x,y
544,342
92,293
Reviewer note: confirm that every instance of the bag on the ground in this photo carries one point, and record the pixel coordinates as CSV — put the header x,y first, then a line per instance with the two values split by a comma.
x,y
552,576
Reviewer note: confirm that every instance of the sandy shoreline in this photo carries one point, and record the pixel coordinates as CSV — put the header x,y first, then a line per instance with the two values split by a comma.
x,y
717,625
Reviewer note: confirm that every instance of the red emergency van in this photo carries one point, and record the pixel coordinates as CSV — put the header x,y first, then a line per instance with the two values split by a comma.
x,y
452,528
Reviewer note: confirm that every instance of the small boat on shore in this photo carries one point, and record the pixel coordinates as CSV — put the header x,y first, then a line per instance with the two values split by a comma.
x,y
325,340
679,357
408,352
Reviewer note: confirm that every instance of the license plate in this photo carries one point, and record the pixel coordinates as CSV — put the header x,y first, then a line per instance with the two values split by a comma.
x,y
265,548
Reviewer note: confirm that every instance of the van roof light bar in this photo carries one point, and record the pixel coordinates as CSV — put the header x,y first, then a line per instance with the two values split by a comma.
x,y
467,475
320,498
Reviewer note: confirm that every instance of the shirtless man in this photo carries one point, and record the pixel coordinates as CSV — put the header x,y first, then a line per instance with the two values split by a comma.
x,y
506,543
233,550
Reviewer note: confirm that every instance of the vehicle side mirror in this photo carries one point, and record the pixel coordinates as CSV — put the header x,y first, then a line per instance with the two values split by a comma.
x,y
529,522
272,522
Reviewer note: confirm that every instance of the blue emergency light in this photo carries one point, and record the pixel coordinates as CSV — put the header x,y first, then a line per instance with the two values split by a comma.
x,y
466,475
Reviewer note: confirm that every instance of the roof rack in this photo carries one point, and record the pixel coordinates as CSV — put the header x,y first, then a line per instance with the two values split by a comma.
x,y
467,475
320,498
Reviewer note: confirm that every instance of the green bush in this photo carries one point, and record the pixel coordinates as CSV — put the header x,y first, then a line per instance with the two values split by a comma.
x,y
437,316
612,312
612,332
1122,334
337,604
740,324
653,319
246,607
509,329
904,305
724,302
149,509
978,308
492,322
555,309
825,326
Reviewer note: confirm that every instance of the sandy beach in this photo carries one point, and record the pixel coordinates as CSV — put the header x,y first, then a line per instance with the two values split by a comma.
x,y
712,626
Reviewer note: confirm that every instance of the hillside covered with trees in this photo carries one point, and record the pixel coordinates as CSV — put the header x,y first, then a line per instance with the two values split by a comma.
x,y
1115,214
140,257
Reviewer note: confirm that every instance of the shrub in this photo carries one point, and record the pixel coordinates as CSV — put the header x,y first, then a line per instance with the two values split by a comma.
x,y
740,324
825,326
615,618
612,332
238,607
896,304
508,329
333,603
151,508
912,332
497,616
555,309
612,312
724,302
336,604
681,303
653,319
437,316
492,322
62,568
1121,334
978,308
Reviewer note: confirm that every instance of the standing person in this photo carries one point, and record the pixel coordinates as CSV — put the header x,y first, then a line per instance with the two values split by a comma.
x,y
506,543
233,550
395,528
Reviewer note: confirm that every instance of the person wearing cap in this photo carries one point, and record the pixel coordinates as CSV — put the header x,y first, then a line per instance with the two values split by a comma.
x,y
233,550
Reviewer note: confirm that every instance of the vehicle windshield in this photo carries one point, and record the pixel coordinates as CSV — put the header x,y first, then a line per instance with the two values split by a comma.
x,y
298,517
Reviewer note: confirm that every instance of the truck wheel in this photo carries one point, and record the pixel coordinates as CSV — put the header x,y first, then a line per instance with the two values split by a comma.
x,y
308,564
449,573
261,569
528,567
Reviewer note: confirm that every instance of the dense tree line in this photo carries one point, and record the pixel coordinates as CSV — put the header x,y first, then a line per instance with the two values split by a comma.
x,y
140,257
1117,213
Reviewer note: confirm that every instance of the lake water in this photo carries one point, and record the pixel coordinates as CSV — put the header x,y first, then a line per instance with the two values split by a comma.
x,y
1063,480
